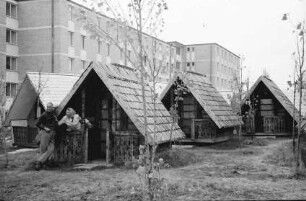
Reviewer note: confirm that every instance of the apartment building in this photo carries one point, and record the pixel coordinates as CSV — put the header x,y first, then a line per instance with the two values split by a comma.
x,y
220,65
36,35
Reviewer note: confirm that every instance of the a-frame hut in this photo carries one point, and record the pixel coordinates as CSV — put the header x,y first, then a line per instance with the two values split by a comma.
x,y
110,97
204,114
36,90
271,110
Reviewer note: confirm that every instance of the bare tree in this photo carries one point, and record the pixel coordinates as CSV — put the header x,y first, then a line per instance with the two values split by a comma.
x,y
133,20
299,55
3,131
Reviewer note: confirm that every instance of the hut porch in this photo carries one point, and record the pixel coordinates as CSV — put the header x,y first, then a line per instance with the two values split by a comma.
x,y
195,122
268,116
113,137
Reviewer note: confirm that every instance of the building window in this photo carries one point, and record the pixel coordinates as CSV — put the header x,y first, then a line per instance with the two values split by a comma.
x,y
188,49
188,64
129,54
192,66
83,64
83,41
107,26
71,13
145,60
121,53
99,46
192,49
11,63
108,49
11,36
11,89
70,38
11,10
70,64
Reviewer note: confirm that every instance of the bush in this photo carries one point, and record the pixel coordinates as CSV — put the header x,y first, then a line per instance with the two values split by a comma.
x,y
255,142
178,157
283,155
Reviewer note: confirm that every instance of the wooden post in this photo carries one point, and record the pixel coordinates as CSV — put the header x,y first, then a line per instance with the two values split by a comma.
x,y
114,116
114,125
83,96
107,147
192,129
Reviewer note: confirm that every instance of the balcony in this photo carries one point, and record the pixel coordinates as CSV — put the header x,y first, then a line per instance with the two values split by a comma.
x,y
83,55
71,51
99,57
12,76
11,23
71,26
12,49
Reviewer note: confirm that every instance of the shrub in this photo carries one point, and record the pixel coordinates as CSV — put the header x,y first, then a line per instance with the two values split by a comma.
x,y
255,142
178,157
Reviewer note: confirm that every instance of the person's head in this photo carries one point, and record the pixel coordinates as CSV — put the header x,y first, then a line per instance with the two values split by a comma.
x,y
70,112
247,101
50,107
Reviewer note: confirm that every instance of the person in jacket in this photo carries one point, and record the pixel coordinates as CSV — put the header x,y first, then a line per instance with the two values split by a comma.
x,y
47,123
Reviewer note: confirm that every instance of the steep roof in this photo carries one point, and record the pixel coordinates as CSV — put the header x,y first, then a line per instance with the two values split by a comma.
x,y
53,88
277,93
208,97
125,86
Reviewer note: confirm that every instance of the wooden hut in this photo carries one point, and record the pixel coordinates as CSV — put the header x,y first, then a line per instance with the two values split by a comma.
x,y
204,114
36,90
110,97
271,110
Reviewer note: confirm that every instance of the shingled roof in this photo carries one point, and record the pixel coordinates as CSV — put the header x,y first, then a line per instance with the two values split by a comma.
x,y
208,97
53,88
277,93
125,86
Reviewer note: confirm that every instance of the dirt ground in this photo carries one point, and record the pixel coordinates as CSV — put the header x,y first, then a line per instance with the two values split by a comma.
x,y
222,173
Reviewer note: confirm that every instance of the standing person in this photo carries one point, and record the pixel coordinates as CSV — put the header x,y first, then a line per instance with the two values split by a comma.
x,y
46,123
245,112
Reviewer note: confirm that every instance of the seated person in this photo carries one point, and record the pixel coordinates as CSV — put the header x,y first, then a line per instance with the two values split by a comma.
x,y
71,121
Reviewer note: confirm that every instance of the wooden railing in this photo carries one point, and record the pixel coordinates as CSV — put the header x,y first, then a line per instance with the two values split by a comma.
x,y
126,146
203,129
25,136
69,147
274,124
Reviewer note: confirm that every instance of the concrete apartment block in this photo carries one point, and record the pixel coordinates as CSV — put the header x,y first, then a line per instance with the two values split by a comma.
x,y
74,49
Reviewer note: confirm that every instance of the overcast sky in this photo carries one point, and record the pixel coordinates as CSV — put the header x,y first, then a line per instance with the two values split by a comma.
x,y
249,27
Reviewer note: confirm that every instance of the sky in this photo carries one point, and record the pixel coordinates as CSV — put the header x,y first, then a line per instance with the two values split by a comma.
x,y
252,28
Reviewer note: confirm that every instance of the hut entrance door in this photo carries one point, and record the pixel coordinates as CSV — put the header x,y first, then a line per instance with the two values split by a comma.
x,y
97,135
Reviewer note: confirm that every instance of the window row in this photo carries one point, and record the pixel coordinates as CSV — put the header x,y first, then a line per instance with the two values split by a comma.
x,y
225,69
227,55
11,63
190,49
11,36
11,89
11,10
224,82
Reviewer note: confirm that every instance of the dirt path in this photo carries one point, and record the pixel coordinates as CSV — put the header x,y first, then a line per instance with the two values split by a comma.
x,y
220,174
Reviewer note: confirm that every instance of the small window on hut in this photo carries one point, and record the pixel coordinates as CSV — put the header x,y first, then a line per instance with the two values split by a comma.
x,y
123,122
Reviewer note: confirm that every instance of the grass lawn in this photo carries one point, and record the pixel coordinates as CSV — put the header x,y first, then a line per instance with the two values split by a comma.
x,y
221,172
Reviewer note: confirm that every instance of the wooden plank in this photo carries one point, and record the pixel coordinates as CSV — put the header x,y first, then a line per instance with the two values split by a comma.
x,y
266,101
266,107
266,113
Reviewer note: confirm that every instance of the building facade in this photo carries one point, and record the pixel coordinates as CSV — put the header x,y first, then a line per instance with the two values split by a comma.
x,y
220,65
36,35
